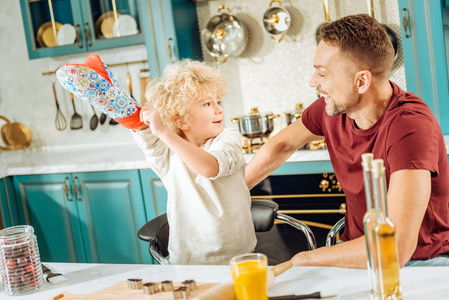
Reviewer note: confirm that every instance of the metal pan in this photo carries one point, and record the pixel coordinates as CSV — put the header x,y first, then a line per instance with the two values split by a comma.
x,y
15,135
224,35
276,21
326,17
390,32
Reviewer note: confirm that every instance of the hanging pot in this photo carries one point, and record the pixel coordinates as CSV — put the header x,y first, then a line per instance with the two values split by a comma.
x,y
256,124
390,32
326,17
276,21
224,35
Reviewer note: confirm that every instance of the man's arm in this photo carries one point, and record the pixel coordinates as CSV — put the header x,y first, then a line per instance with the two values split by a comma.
x,y
408,197
276,151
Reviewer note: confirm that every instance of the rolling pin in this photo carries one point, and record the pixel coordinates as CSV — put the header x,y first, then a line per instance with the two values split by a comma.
x,y
226,291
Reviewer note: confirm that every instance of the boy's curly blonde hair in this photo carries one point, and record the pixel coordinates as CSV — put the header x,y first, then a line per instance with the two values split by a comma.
x,y
181,85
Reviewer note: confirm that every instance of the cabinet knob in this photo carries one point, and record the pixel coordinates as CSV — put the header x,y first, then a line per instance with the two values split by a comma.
x,y
405,22
86,34
75,189
66,189
77,27
324,184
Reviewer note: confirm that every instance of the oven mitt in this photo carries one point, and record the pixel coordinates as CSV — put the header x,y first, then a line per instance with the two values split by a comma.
x,y
94,83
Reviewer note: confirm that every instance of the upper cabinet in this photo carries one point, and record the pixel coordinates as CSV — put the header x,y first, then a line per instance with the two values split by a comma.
x,y
61,27
425,43
171,32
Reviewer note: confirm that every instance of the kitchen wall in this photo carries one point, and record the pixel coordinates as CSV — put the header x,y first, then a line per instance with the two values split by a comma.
x,y
273,77
26,96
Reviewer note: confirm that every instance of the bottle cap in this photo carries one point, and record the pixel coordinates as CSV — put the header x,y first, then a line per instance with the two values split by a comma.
x,y
367,158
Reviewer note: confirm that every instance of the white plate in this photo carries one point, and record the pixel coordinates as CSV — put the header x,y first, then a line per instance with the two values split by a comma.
x,y
66,35
125,25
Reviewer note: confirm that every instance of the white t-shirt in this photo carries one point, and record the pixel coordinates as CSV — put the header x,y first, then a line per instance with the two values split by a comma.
x,y
210,218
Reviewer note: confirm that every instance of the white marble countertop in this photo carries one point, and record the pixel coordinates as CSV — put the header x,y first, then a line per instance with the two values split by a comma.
x,y
93,158
417,282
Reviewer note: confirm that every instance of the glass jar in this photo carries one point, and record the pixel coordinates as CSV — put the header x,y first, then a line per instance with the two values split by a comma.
x,y
20,262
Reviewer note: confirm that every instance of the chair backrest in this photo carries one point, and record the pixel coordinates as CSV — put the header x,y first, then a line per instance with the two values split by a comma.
x,y
264,213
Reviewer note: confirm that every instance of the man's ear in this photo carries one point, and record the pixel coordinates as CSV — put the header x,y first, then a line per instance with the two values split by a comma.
x,y
179,122
363,81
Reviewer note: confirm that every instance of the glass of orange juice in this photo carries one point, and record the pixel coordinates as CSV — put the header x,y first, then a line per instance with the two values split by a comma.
x,y
249,273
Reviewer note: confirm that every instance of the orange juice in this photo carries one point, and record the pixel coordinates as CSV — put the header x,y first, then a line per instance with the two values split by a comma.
x,y
250,280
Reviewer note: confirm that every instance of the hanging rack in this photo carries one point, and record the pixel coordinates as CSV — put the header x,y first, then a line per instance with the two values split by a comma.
x,y
109,65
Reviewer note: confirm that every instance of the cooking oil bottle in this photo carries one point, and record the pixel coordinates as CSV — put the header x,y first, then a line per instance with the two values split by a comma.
x,y
386,249
369,221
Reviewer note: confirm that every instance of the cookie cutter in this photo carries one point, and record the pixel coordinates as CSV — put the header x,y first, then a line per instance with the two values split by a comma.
x,y
150,288
181,293
135,283
190,284
167,285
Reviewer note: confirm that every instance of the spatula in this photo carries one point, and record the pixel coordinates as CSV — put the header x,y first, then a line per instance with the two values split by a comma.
x,y
76,122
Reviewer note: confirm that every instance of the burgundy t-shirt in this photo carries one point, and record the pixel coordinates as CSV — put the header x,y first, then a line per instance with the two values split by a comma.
x,y
407,136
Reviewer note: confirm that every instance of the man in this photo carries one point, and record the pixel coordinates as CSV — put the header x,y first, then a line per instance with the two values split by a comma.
x,y
362,111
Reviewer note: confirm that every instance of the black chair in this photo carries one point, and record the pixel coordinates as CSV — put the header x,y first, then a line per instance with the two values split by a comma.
x,y
264,213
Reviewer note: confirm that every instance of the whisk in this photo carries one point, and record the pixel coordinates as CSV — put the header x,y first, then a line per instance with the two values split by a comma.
x,y
60,121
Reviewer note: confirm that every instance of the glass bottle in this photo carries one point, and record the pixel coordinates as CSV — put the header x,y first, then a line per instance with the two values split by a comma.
x,y
20,263
386,253
369,221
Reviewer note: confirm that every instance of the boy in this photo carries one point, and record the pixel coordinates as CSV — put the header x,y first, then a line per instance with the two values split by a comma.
x,y
200,163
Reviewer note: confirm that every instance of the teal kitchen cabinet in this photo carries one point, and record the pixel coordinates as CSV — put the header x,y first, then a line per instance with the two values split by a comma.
x,y
8,211
81,25
84,217
154,193
171,32
425,44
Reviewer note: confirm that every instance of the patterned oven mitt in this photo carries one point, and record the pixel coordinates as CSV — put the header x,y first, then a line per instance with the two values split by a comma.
x,y
94,83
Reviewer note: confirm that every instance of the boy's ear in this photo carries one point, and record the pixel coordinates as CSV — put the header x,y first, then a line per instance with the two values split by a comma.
x,y
179,122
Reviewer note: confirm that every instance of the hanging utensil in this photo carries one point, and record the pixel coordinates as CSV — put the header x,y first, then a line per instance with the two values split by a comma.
x,y
128,82
60,121
103,118
93,120
276,21
113,122
390,32
76,122
326,17
224,35
144,80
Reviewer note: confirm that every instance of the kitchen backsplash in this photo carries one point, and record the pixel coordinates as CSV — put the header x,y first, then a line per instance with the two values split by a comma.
x,y
273,77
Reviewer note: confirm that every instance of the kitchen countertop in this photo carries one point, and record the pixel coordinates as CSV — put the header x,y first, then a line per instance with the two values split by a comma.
x,y
93,158
104,157
416,282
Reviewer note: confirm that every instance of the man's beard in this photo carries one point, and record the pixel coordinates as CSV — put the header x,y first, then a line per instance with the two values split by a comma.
x,y
333,110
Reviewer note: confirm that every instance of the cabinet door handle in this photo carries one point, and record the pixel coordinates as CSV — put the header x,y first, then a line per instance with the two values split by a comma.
x,y
75,189
405,23
86,35
66,189
171,50
77,27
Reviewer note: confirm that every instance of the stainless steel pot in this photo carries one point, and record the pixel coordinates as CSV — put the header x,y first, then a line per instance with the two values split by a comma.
x,y
224,35
255,124
276,21
294,115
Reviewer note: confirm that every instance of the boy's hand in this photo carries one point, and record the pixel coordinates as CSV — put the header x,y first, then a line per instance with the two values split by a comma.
x,y
150,116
